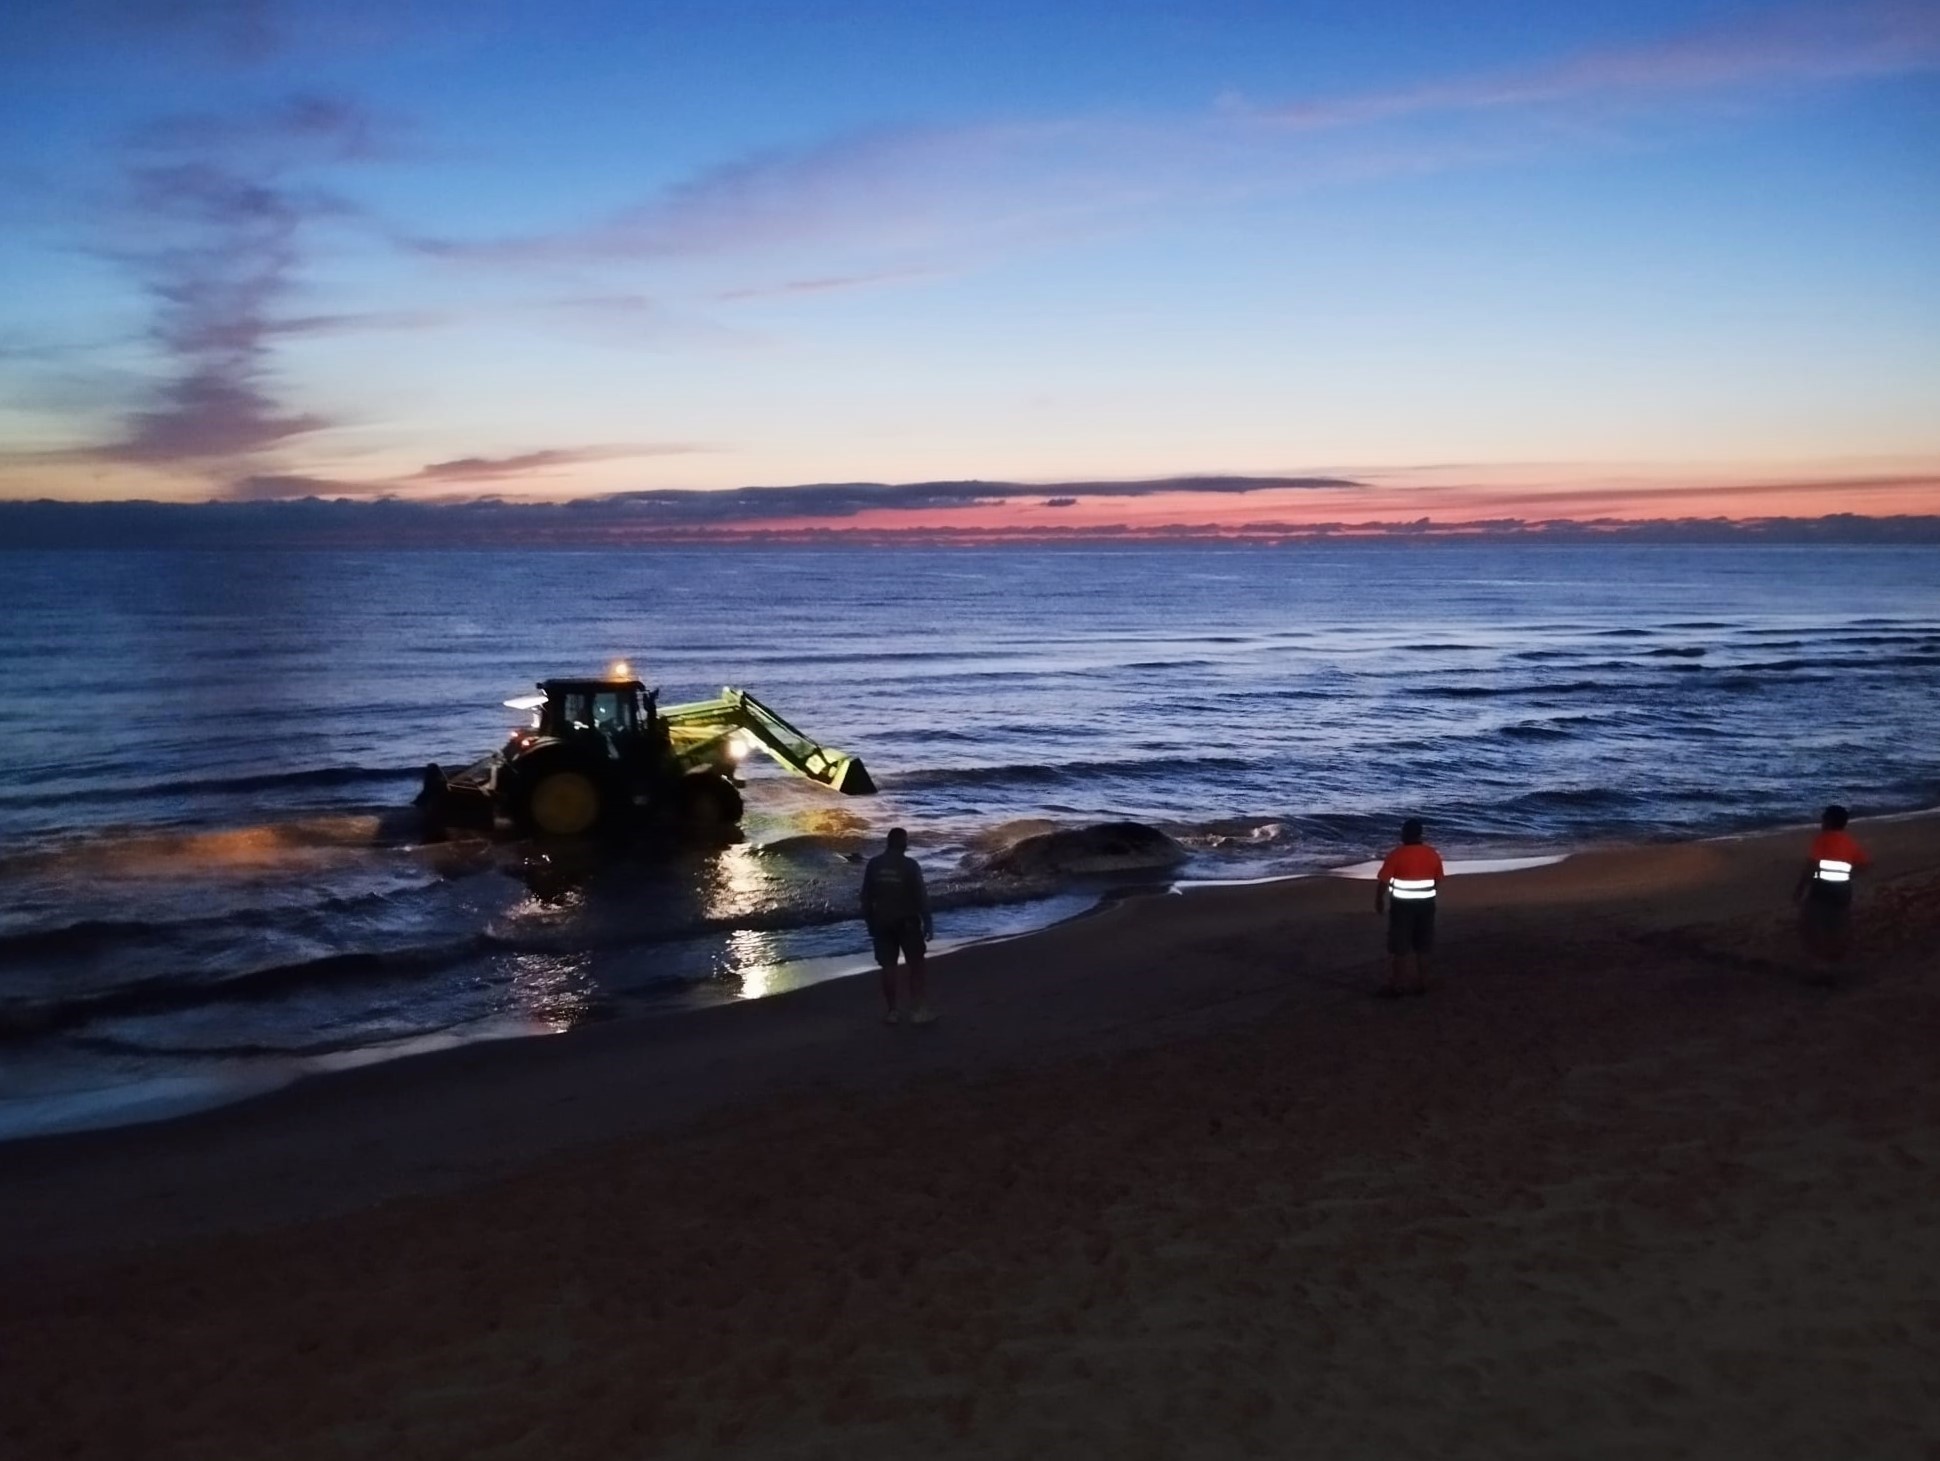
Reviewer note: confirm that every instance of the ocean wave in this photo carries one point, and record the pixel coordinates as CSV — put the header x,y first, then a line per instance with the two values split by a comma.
x,y
1033,773
1921,637
1592,798
1526,688
147,851
928,735
1227,833
581,1012
1278,694
323,776
1749,684
163,994
799,656
1604,687
86,937
1821,662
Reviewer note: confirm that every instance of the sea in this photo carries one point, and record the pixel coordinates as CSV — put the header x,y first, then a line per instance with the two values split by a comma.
x,y
212,881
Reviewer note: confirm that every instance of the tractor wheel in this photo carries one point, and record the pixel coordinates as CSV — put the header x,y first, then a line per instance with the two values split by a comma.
x,y
709,803
562,803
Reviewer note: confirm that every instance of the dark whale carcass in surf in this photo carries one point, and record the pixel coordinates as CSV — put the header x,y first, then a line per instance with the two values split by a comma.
x,y
602,755
1107,848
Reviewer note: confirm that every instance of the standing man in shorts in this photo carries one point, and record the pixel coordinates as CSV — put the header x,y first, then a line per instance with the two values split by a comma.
x,y
896,907
1824,889
1405,890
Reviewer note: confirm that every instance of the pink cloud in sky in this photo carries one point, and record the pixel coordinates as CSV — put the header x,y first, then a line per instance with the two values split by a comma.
x,y
1792,47
776,195
535,463
826,284
1268,510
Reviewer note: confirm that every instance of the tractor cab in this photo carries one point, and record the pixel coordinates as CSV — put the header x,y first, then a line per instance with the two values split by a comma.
x,y
621,711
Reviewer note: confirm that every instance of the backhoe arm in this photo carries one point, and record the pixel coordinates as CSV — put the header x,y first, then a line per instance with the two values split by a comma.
x,y
697,731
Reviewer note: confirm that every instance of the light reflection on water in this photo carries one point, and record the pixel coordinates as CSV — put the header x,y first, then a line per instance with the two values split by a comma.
x,y
740,882
750,958
754,957
552,989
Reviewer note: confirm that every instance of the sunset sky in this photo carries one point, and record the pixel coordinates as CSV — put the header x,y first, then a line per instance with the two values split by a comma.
x,y
1472,260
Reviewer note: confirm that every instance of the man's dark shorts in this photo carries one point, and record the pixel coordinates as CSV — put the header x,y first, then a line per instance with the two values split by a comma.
x,y
1826,910
891,939
1411,925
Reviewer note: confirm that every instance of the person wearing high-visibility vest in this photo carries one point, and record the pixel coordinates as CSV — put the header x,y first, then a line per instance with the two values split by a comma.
x,y
1824,889
1405,890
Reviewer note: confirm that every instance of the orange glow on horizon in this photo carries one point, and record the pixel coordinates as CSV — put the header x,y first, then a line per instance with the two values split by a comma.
x,y
1293,509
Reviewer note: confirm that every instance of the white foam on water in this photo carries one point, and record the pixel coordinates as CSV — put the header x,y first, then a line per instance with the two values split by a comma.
x,y
1462,867
1365,871
159,1098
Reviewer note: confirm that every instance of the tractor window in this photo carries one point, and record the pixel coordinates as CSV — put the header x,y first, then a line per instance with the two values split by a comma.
x,y
610,712
575,713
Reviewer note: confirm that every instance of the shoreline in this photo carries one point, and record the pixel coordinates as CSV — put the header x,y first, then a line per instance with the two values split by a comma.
x,y
178,1096
547,1060
1164,1180
199,1095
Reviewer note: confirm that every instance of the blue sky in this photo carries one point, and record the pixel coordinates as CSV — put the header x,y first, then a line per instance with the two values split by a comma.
x,y
260,249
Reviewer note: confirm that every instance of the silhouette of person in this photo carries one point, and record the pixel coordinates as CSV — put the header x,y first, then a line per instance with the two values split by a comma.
x,y
1405,890
1823,892
896,909
432,802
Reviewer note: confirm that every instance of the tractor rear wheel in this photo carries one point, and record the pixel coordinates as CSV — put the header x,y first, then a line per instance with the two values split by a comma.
x,y
709,803
562,803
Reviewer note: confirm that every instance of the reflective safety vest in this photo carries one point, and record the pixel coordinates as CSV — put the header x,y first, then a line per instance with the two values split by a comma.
x,y
1834,858
1412,890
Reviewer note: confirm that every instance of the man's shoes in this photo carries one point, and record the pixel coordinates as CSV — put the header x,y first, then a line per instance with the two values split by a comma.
x,y
893,1017
923,1017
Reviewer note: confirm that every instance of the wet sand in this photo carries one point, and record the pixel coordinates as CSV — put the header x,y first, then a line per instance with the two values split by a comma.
x,y
1163,1182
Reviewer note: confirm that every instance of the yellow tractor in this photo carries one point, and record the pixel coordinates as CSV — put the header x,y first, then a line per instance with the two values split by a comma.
x,y
602,756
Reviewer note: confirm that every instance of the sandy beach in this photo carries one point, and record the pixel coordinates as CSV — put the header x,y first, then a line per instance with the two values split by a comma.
x,y
1164,1182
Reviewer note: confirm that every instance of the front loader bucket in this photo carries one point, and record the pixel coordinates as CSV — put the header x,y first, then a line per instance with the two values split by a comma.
x,y
854,779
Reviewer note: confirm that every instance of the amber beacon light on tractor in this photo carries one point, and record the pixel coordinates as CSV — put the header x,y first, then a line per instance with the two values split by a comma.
x,y
603,756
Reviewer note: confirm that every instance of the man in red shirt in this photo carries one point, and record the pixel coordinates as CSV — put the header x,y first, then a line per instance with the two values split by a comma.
x,y
1824,889
1405,889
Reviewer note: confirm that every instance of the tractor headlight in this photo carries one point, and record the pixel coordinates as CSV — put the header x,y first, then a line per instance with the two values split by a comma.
x,y
739,745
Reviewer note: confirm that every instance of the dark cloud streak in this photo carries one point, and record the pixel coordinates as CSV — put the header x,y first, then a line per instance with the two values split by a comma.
x,y
217,218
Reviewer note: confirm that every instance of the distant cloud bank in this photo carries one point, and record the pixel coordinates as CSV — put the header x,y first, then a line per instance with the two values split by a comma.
x,y
968,512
